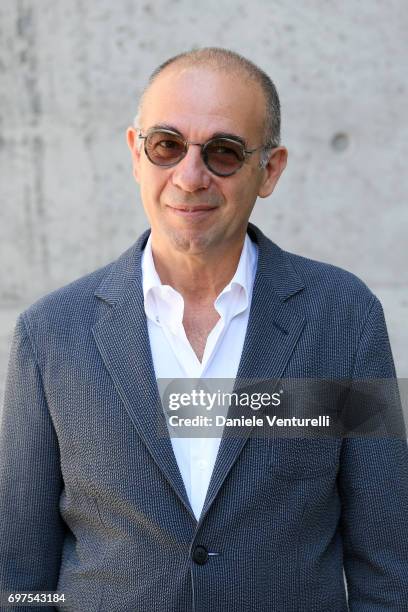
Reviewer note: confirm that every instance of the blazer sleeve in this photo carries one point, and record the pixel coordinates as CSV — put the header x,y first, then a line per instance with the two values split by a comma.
x,y
31,529
373,484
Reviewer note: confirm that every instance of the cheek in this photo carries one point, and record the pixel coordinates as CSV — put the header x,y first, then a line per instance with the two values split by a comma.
x,y
245,195
151,184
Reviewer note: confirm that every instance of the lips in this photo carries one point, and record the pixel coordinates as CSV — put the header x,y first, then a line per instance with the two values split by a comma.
x,y
193,212
192,209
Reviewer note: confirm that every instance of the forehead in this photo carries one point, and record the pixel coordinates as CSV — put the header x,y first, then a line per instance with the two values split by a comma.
x,y
202,101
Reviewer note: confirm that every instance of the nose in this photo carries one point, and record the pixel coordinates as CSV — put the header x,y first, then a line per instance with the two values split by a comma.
x,y
191,174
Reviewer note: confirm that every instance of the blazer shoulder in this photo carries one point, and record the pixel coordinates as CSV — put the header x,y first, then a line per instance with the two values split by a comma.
x,y
74,297
325,281
78,301
310,283
71,302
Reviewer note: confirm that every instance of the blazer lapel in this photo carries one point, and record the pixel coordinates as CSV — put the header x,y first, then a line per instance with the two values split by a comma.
x,y
122,338
274,328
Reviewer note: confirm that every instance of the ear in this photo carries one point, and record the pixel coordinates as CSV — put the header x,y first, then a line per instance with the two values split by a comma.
x,y
132,140
272,171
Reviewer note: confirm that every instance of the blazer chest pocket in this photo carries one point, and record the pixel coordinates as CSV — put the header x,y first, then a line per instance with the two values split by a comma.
x,y
304,457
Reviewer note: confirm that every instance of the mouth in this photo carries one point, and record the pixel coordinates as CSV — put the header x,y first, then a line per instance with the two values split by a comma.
x,y
193,212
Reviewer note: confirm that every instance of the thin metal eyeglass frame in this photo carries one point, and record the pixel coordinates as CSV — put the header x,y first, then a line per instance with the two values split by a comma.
x,y
187,143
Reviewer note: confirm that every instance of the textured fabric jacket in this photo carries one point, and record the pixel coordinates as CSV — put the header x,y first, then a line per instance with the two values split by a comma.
x,y
92,503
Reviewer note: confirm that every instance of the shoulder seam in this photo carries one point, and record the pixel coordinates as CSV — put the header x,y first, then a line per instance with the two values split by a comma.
x,y
25,322
374,300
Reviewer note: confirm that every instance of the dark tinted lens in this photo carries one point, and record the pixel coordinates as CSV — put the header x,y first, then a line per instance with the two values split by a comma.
x,y
224,156
164,148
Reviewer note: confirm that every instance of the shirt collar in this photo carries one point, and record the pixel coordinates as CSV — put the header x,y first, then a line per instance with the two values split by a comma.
x,y
162,300
236,296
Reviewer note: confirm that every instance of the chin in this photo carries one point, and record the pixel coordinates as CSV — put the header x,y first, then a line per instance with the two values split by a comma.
x,y
192,241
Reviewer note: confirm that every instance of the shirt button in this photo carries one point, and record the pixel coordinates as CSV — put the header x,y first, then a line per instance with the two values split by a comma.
x,y
202,464
200,555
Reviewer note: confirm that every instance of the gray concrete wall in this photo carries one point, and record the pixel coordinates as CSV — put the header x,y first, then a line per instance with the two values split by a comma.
x,y
70,76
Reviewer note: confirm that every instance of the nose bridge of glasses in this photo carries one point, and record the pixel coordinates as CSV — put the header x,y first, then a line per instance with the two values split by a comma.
x,y
198,155
196,144
189,143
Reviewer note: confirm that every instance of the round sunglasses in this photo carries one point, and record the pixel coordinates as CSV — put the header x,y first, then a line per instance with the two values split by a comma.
x,y
222,156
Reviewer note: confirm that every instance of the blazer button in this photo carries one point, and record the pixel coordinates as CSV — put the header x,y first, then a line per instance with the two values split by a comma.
x,y
200,555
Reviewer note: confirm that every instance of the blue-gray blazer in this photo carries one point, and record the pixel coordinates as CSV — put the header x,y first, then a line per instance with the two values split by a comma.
x,y
92,503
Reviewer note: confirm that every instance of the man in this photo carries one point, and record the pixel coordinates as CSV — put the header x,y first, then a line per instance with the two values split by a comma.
x,y
99,506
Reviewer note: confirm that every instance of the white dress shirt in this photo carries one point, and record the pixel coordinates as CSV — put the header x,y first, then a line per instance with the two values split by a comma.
x,y
174,357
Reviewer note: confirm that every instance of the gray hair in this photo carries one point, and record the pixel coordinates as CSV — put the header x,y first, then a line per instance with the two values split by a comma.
x,y
224,59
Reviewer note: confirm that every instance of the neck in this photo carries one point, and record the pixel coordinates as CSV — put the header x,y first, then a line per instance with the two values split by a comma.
x,y
197,277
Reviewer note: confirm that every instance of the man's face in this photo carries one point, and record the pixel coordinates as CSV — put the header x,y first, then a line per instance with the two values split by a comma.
x,y
190,208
